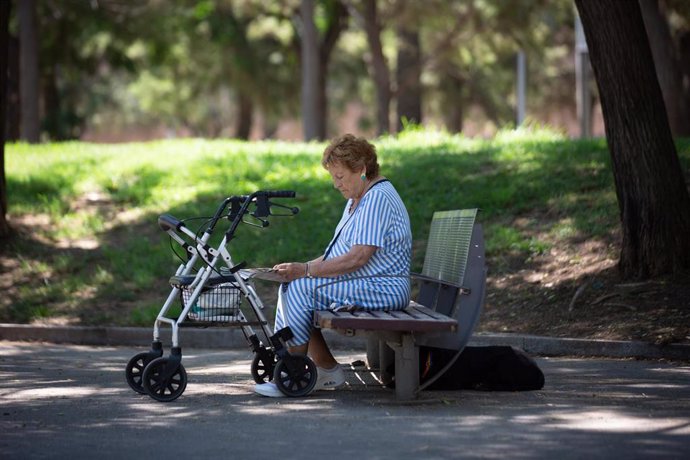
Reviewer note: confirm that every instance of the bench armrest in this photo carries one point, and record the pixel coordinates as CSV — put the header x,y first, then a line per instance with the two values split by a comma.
x,y
431,279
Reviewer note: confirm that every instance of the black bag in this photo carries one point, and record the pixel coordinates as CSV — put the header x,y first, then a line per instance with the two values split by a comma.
x,y
492,368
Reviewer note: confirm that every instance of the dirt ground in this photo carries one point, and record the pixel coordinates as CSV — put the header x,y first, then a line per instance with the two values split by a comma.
x,y
577,292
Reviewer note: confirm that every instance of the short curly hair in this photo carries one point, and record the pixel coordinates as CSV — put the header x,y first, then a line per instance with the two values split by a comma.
x,y
352,152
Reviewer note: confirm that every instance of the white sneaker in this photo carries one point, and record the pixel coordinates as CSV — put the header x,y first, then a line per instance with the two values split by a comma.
x,y
325,379
268,389
329,378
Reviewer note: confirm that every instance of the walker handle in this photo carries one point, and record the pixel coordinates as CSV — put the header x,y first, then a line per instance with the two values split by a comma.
x,y
277,193
169,222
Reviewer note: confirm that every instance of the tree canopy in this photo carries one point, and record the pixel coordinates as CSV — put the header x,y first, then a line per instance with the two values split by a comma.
x,y
233,68
230,68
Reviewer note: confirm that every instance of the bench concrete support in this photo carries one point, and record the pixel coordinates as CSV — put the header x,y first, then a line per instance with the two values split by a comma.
x,y
373,352
386,361
406,367
393,334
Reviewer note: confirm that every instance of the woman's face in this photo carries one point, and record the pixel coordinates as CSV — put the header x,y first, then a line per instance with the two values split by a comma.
x,y
348,182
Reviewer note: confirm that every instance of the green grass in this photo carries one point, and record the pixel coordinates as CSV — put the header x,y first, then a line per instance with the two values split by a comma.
x,y
96,253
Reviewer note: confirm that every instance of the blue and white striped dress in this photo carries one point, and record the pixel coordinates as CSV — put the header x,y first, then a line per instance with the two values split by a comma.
x,y
380,220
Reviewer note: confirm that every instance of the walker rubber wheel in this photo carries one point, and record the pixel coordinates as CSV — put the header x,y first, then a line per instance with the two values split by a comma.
x,y
164,379
295,375
135,369
263,365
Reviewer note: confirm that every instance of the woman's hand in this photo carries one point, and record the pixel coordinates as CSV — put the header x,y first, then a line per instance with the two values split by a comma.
x,y
291,270
352,260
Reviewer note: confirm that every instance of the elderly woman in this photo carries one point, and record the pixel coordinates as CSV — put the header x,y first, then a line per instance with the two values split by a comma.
x,y
372,238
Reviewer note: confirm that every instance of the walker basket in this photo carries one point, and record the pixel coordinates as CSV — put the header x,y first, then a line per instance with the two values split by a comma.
x,y
219,300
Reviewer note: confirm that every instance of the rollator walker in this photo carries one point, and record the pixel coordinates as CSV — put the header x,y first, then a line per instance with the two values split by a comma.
x,y
211,288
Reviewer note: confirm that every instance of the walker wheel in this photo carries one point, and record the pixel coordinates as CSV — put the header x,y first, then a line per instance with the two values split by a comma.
x,y
263,365
164,381
135,369
295,375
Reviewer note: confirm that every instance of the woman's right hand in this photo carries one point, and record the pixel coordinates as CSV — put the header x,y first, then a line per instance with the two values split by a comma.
x,y
290,271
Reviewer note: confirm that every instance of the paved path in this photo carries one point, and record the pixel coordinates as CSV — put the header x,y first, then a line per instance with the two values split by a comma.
x,y
68,401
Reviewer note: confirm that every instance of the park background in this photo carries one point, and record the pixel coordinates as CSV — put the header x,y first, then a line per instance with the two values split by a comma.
x,y
117,111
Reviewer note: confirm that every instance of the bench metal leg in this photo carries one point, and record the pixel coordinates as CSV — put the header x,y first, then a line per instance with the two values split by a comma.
x,y
406,368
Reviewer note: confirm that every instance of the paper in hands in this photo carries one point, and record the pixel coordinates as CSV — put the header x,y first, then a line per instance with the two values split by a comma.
x,y
268,274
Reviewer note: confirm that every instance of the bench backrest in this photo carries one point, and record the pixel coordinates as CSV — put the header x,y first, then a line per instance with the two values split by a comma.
x,y
455,257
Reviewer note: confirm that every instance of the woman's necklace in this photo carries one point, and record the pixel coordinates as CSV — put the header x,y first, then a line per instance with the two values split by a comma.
x,y
355,201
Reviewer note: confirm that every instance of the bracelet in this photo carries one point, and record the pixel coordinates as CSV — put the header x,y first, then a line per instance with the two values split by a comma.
x,y
308,271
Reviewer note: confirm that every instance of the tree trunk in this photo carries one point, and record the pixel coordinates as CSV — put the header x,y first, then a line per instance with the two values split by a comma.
x,y
652,196
336,22
316,55
684,58
244,116
13,113
54,125
310,70
452,89
408,73
28,71
4,45
378,66
322,101
667,66
269,126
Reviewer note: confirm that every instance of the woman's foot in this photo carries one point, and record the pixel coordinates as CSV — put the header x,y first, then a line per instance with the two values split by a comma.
x,y
268,389
325,379
329,378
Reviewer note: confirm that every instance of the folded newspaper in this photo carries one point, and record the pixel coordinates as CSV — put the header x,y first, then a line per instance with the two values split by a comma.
x,y
268,274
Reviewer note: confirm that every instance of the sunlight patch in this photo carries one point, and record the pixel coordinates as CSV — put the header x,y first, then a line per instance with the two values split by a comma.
x,y
63,392
614,422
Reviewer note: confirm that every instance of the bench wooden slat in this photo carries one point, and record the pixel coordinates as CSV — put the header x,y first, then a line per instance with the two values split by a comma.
x,y
423,312
415,318
427,311
412,312
403,314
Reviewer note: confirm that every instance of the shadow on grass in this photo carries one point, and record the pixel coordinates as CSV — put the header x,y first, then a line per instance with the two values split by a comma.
x,y
534,197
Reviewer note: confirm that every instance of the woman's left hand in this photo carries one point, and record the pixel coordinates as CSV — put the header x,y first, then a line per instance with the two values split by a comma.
x,y
291,270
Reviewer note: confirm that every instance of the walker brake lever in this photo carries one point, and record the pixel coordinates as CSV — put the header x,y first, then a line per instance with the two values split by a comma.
x,y
293,210
264,222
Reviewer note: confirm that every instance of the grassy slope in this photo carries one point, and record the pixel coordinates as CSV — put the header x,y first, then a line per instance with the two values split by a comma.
x,y
86,213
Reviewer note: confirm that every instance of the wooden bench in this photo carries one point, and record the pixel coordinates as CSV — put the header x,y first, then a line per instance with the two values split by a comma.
x,y
446,309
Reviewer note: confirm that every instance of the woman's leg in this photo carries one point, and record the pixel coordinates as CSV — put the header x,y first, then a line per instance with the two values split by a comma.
x,y
297,310
319,351
297,303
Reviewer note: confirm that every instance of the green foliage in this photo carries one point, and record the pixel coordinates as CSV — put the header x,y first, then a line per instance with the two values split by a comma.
x,y
96,241
472,48
184,65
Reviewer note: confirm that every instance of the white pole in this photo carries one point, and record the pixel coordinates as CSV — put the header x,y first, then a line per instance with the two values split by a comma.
x,y
582,96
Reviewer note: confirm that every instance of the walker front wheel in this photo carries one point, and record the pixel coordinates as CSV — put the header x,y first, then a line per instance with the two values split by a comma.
x,y
135,369
295,375
164,379
263,365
